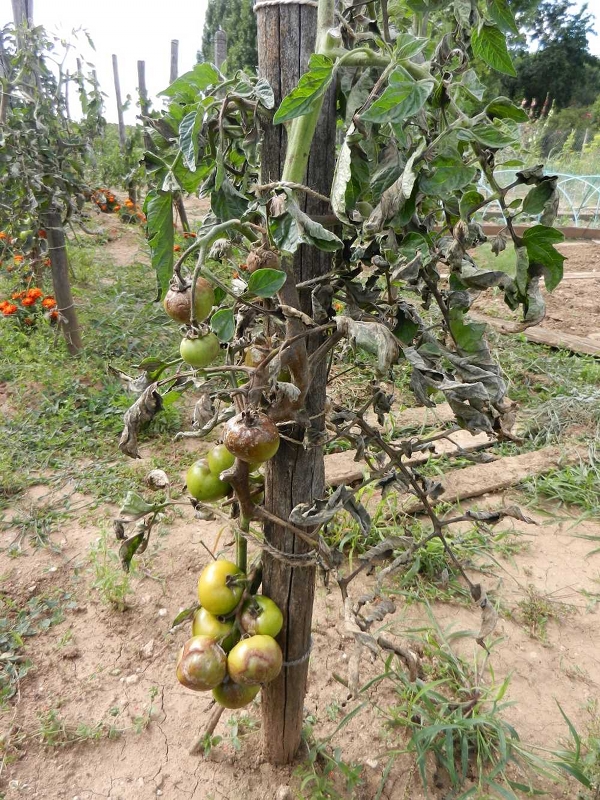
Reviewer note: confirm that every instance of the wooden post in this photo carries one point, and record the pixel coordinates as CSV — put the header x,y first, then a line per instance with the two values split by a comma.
x,y
174,72
60,280
144,102
119,103
286,38
22,12
220,40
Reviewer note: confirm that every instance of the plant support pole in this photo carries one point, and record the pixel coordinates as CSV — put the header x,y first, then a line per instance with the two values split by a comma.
x,y
60,280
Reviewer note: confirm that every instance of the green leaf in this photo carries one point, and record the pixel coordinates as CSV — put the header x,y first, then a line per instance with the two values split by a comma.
x,y
538,196
467,335
158,208
469,201
184,615
134,507
500,12
496,134
399,101
503,108
266,282
188,137
222,324
191,84
292,227
311,86
447,175
408,46
540,241
489,44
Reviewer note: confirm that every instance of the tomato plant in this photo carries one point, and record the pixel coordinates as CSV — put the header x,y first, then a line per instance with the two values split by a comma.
x,y
384,264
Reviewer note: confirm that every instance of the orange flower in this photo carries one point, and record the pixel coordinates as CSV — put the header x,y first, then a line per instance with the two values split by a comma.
x,y
48,302
117,207
243,267
129,203
35,292
18,295
9,309
177,248
28,301
17,259
189,235
2,235
53,316
3,304
111,198
47,262
103,207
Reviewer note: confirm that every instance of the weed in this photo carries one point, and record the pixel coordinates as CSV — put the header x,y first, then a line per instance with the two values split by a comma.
x,y
111,582
573,485
325,775
537,609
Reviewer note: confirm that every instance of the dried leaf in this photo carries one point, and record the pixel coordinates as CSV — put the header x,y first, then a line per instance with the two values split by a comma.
x,y
492,517
324,510
384,551
373,337
142,411
135,544
489,620
157,479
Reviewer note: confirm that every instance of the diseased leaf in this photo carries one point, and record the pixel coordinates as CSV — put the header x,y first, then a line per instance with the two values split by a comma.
x,y
134,507
264,92
489,44
184,615
323,511
145,408
188,137
495,135
311,87
408,45
469,202
192,84
266,282
373,337
135,544
158,208
539,195
503,108
227,203
341,178
447,174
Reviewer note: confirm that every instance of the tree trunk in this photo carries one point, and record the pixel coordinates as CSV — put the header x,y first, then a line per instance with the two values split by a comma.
x,y
60,281
286,39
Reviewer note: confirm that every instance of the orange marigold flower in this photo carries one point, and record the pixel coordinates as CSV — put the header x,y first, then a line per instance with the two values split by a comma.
x,y
47,262
3,304
117,207
17,259
35,292
2,234
103,207
111,198
54,316
9,309
9,268
177,248
243,267
48,302
28,301
17,295
129,203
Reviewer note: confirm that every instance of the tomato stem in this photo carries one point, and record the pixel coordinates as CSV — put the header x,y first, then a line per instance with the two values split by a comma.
x,y
241,545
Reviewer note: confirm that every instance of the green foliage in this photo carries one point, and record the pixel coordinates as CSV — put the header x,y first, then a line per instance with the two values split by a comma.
x,y
237,19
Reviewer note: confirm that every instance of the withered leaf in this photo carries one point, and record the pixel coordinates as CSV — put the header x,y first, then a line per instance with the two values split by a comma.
x,y
135,544
323,510
145,408
373,337
385,550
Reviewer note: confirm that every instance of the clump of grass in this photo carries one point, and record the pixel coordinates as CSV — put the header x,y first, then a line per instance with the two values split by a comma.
x,y
110,581
537,609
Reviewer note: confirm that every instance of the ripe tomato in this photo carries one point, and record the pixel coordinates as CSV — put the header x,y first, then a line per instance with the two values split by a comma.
x,y
232,695
260,615
220,587
199,352
177,303
219,459
252,437
223,631
201,664
255,660
203,485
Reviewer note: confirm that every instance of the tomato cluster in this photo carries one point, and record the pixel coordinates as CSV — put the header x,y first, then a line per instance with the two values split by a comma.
x,y
232,650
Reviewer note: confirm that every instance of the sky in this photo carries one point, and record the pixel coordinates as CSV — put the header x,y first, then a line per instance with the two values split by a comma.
x,y
143,30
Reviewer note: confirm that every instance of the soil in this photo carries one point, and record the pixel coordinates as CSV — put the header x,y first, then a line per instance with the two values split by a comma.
x,y
574,306
101,665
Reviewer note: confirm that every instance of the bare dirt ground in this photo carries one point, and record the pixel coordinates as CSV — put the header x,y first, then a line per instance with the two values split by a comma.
x,y
574,306
100,667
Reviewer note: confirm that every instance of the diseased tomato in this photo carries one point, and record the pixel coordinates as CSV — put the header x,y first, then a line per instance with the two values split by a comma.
x,y
222,630
178,303
255,660
220,459
200,351
252,437
232,695
203,485
220,587
201,664
260,615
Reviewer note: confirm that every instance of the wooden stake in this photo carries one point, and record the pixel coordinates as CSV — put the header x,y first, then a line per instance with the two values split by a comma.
x,y
286,39
60,280
174,71
144,101
220,47
119,103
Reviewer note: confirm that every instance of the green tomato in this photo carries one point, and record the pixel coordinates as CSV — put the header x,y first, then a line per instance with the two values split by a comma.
x,y
224,631
233,695
200,352
260,615
220,587
220,459
203,485
202,664
255,660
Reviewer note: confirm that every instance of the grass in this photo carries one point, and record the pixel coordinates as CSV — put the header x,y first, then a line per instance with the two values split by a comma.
x,y
537,609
